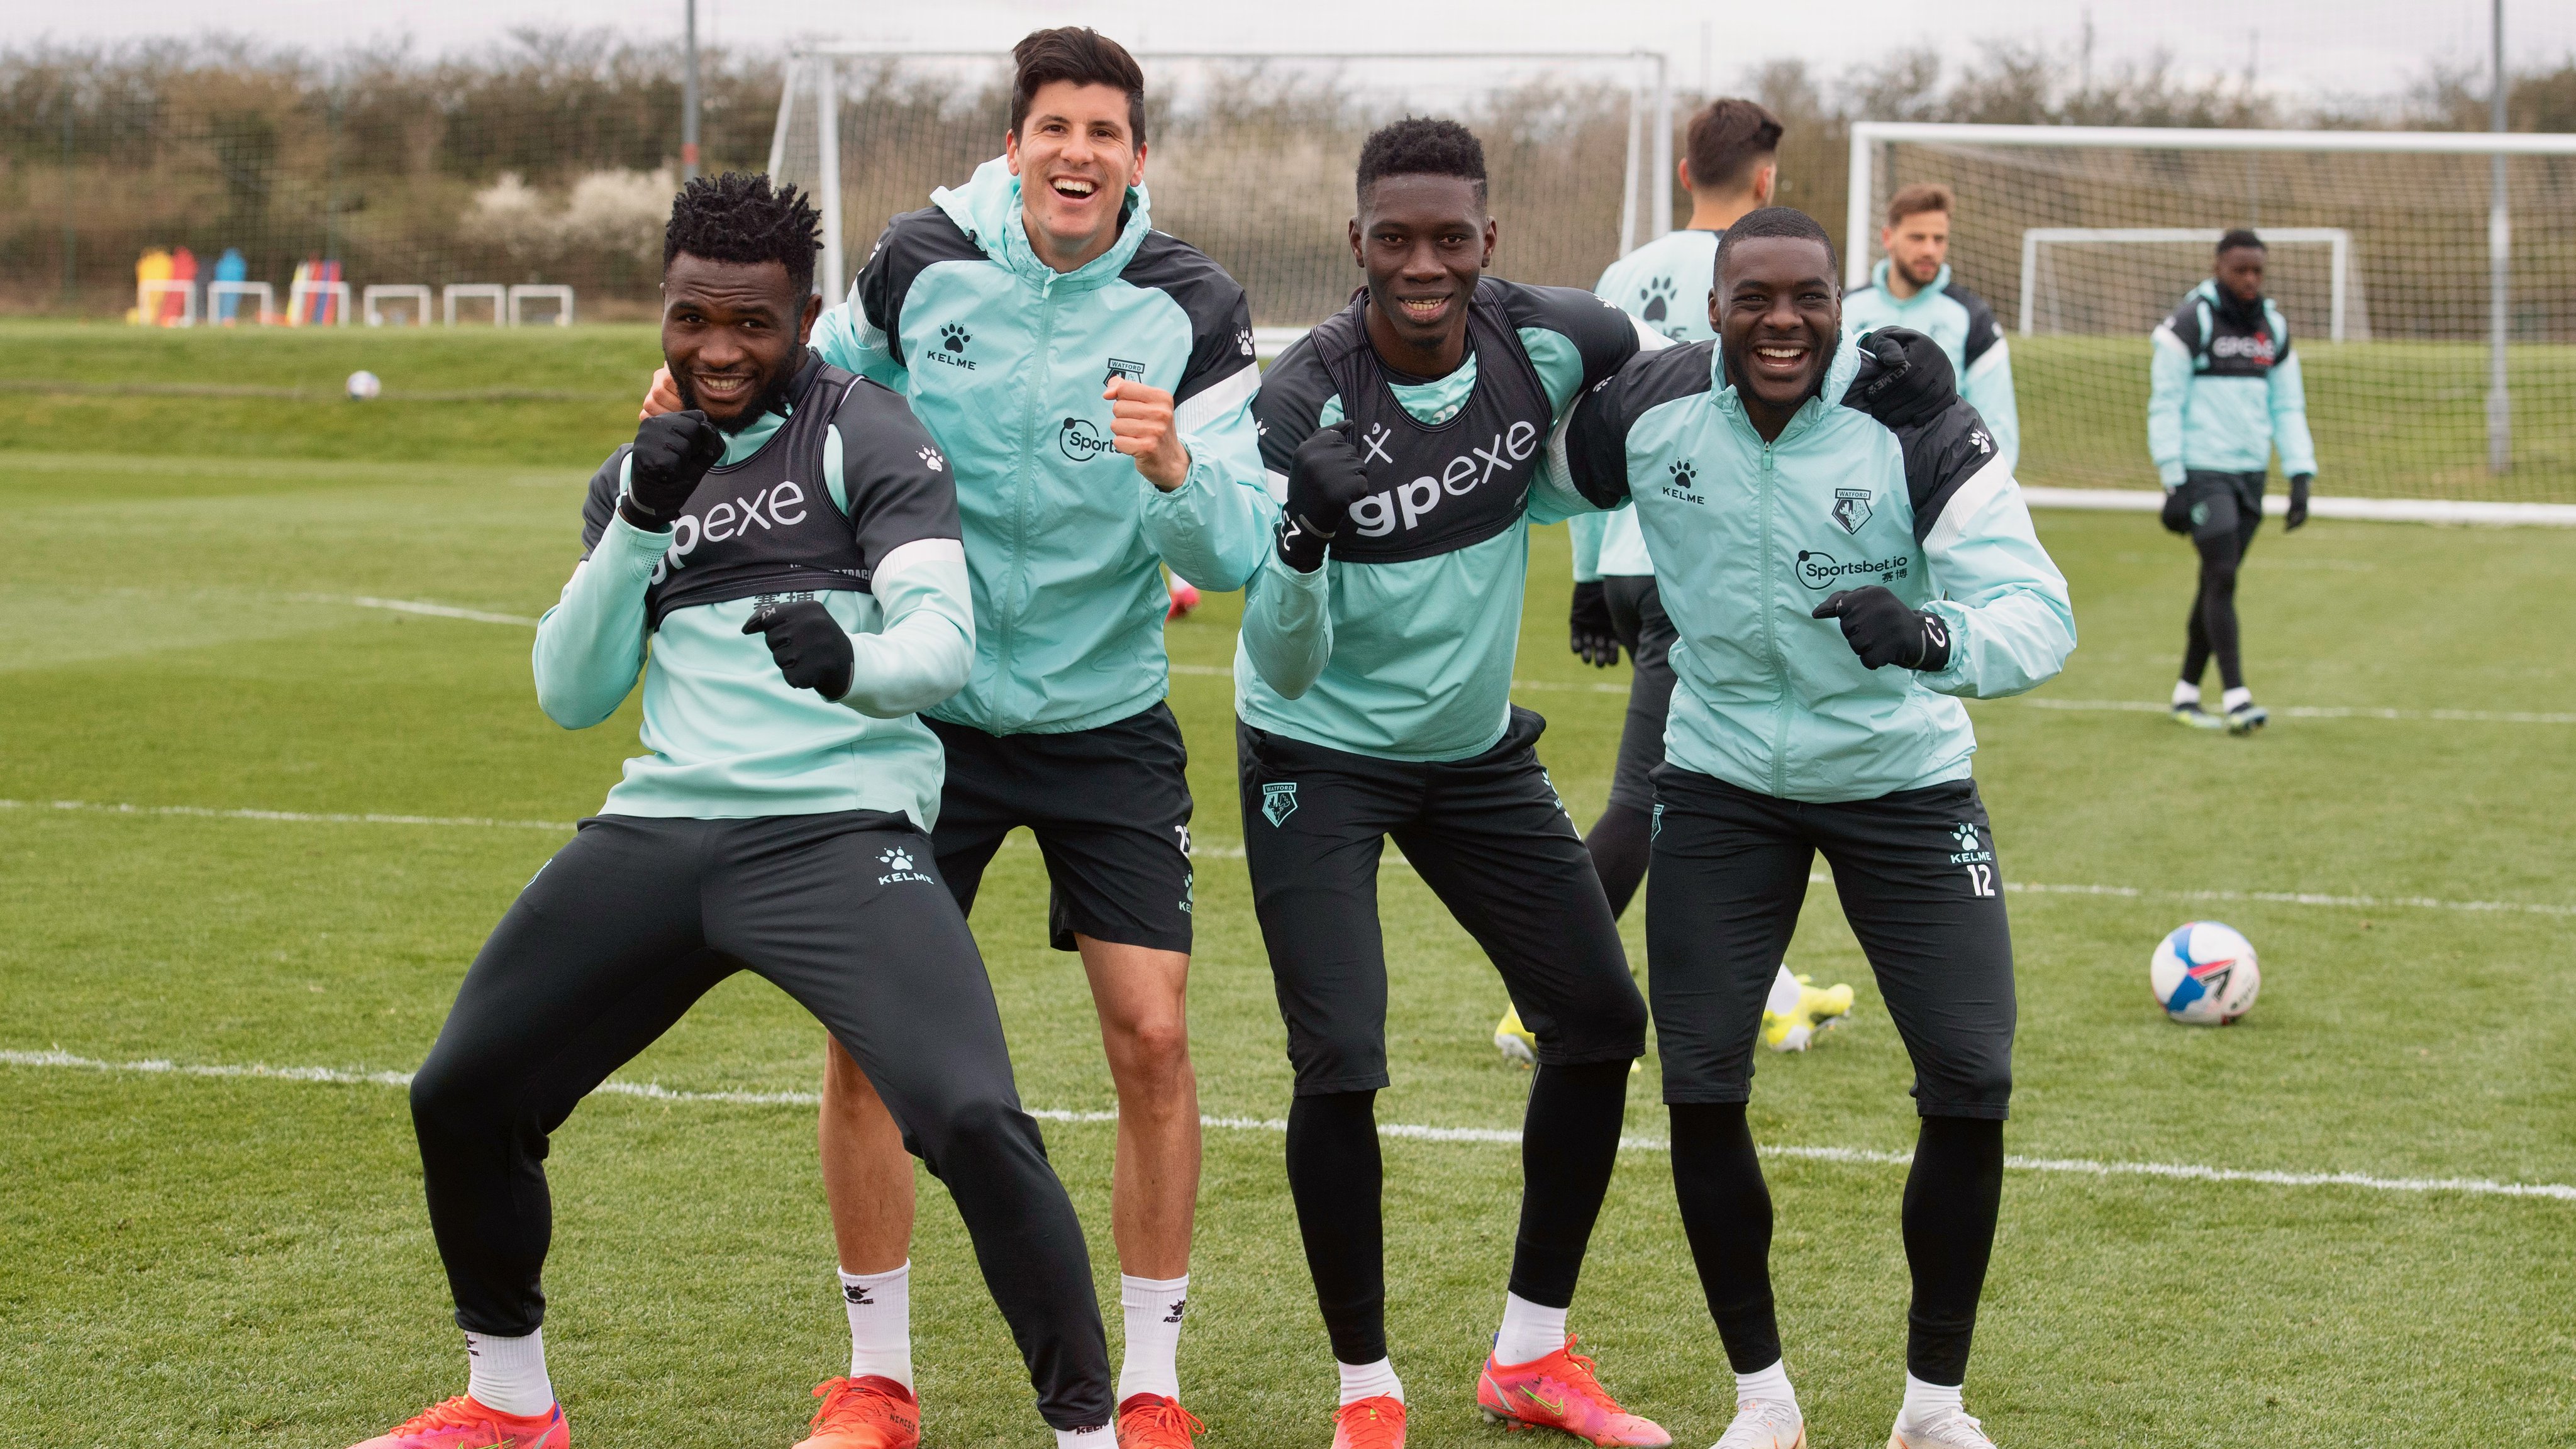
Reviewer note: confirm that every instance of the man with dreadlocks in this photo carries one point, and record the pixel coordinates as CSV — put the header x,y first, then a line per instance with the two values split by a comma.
x,y
787,543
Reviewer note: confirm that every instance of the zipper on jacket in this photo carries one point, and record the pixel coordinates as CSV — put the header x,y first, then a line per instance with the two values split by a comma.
x,y
1771,633
1025,483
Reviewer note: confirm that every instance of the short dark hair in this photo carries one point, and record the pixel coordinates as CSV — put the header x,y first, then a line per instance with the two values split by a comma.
x,y
1082,55
1784,221
1918,197
1727,139
737,217
2241,237
1422,146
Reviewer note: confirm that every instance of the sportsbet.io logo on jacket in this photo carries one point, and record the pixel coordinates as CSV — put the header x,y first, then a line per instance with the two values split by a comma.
x,y
1005,359
1770,698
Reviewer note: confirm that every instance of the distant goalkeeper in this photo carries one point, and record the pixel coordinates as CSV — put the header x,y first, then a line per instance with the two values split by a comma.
x,y
2226,393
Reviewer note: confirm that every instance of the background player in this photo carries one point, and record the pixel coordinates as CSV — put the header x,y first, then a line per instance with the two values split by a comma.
x,y
2226,392
1040,290
776,824
1842,558
1731,166
1911,287
1373,686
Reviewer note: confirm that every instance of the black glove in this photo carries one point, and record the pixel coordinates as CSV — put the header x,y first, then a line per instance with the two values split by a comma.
x,y
1905,379
1593,638
2177,509
1324,479
672,452
1882,631
812,649
2298,500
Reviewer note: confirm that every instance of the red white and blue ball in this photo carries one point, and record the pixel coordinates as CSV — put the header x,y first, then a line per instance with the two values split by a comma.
x,y
2204,974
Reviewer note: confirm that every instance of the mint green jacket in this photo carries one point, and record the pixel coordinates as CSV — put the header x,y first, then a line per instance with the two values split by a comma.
x,y
1005,359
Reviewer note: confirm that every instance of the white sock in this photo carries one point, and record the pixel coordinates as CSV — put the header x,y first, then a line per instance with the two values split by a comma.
x,y
1094,1436
1153,1311
1530,1331
1770,1385
1784,993
2236,698
2185,692
880,1308
1922,1400
508,1374
1369,1380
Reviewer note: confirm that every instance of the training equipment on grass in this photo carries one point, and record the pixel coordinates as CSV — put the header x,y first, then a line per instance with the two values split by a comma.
x,y
1253,153
364,385
2430,310
2204,974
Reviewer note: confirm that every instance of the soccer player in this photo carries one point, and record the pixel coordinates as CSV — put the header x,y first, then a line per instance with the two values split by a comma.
x,y
781,562
1372,690
1911,287
2226,392
1843,558
1731,167
1090,381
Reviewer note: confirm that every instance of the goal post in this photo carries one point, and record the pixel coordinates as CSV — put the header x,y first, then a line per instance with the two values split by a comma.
x,y
1250,155
2387,257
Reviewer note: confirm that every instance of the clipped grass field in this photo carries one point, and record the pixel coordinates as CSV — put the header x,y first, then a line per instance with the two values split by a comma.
x,y
244,1259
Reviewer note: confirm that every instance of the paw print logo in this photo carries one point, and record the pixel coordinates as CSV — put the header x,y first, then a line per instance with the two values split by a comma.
x,y
931,460
954,337
1684,474
896,859
1657,296
1978,436
1966,831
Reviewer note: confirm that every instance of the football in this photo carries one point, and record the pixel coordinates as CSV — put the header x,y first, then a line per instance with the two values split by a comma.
x,y
2204,974
364,385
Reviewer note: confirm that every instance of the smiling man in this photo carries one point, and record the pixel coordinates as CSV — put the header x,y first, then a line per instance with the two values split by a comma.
x,y
1373,688
1844,555
1090,382
780,560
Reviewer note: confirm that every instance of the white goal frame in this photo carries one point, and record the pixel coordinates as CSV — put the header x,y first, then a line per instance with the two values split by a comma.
x,y
816,68
1861,237
2335,238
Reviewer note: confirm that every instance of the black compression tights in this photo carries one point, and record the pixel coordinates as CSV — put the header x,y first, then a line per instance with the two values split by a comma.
x,y
1337,1178
2213,609
1620,842
1952,1197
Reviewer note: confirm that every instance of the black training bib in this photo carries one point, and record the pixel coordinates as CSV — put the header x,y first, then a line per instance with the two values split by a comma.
x,y
1445,487
766,525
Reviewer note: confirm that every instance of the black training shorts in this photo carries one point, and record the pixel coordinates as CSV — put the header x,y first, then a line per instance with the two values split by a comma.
x,y
1110,807
1917,875
1637,617
1490,838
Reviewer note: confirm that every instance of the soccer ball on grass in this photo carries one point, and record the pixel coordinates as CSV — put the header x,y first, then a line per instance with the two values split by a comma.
x,y
2204,974
364,385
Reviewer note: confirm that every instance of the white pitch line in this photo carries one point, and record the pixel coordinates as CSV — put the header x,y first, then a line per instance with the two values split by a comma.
x,y
416,606
292,817
1416,1132
2324,711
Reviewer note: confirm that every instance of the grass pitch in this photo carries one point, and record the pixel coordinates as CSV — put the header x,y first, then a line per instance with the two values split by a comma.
x,y
243,1260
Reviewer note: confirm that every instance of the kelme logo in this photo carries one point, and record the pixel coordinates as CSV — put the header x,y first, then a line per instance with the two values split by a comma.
x,y
898,864
1081,441
952,344
1278,802
1657,299
1819,570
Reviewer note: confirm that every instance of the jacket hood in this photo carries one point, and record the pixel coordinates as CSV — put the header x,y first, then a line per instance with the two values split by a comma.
x,y
2227,306
1932,288
1839,374
987,209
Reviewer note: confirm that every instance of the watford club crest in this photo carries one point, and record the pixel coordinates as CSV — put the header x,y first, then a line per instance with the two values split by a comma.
x,y
1278,802
1851,508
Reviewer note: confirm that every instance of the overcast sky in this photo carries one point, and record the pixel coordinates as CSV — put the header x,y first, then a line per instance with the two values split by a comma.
x,y
2299,48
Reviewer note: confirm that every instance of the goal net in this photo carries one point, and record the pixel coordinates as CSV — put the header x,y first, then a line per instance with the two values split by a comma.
x,y
1251,158
2082,239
